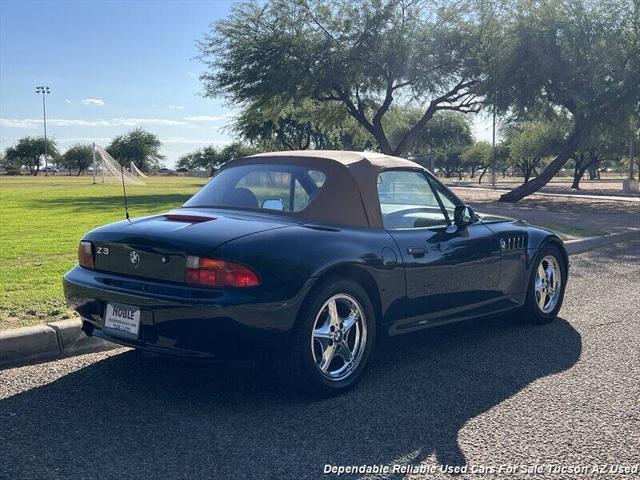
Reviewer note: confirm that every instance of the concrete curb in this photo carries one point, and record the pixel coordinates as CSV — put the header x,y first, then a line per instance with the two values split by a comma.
x,y
23,346
581,245
27,344
73,341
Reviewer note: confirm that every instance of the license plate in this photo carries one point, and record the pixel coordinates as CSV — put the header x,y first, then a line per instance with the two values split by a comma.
x,y
123,320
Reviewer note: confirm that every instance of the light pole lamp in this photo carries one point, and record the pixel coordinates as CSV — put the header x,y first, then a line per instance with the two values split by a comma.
x,y
44,90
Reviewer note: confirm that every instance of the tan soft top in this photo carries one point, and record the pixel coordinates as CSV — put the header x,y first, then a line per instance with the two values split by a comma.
x,y
349,195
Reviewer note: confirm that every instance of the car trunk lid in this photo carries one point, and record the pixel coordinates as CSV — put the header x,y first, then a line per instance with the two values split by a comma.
x,y
156,247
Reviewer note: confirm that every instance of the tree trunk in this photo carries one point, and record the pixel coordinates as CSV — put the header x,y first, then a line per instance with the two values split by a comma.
x,y
526,167
383,142
577,176
482,175
548,173
578,171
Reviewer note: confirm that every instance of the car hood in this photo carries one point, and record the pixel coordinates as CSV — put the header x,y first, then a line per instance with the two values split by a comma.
x,y
491,218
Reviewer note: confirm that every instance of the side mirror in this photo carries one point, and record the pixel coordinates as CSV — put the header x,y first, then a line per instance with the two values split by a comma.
x,y
463,215
273,204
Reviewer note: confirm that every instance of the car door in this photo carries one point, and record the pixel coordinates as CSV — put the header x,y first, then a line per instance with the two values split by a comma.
x,y
450,271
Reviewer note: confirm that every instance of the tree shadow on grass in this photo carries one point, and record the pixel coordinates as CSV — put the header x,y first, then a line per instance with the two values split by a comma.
x,y
132,416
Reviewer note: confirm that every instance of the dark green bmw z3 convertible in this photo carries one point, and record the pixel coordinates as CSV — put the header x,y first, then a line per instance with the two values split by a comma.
x,y
309,257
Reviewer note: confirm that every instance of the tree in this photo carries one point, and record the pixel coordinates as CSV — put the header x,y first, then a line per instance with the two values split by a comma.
x,y
367,57
278,125
446,137
78,157
29,152
576,55
531,142
501,160
208,158
450,161
443,139
607,145
138,146
212,159
478,156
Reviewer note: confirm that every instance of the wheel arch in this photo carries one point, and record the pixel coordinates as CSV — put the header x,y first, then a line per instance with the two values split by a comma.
x,y
556,242
357,274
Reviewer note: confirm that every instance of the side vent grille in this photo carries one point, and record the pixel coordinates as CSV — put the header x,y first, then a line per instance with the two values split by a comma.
x,y
516,242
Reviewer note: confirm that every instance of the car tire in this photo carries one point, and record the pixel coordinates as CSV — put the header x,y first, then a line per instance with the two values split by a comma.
x,y
318,332
546,294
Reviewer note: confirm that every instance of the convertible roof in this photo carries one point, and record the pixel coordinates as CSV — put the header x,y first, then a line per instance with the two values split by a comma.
x,y
349,195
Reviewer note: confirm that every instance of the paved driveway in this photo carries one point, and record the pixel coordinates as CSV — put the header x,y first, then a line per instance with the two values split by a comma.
x,y
482,393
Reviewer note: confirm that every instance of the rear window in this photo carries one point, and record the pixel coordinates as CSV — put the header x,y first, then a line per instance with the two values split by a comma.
x,y
287,188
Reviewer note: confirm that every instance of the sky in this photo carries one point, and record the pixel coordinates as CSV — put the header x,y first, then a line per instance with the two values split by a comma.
x,y
113,66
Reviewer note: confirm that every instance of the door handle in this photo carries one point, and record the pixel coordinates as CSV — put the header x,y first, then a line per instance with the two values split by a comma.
x,y
416,251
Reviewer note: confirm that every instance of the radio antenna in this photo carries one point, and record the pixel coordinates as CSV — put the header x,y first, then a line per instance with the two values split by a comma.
x,y
124,193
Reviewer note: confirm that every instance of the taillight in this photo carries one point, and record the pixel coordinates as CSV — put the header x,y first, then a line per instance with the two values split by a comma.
x,y
210,272
85,254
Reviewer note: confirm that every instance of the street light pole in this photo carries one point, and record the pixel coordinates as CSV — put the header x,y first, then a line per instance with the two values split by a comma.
x,y
493,142
43,89
631,150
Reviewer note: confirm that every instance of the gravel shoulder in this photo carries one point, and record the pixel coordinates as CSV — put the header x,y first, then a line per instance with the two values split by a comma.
x,y
479,393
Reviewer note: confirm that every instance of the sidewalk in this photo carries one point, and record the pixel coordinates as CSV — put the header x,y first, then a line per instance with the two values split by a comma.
x,y
621,197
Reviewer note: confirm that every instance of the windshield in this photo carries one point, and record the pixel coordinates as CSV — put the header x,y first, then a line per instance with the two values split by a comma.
x,y
286,188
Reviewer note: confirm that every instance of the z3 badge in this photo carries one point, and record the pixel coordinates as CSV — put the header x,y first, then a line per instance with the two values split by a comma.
x,y
102,250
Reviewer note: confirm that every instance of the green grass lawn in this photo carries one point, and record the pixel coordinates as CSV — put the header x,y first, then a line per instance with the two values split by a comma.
x,y
41,221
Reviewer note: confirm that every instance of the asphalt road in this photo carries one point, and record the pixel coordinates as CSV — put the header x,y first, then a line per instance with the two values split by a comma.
x,y
478,394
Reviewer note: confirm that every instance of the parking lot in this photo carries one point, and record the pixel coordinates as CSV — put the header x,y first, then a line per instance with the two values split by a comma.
x,y
484,393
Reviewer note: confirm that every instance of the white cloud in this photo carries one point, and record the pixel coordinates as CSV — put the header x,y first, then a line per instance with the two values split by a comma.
x,y
66,100
176,107
190,141
208,118
97,140
146,121
67,122
96,102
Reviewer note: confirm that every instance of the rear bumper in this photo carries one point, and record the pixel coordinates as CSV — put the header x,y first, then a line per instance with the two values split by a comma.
x,y
186,321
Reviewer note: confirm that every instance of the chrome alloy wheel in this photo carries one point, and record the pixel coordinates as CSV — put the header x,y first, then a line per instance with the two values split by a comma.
x,y
548,284
339,337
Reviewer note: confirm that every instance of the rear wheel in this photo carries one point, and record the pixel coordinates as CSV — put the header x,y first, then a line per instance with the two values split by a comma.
x,y
546,285
333,339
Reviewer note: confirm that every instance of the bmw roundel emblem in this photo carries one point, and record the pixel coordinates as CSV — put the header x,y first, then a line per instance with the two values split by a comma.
x,y
134,257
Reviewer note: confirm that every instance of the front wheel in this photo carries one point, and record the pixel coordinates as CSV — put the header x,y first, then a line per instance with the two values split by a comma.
x,y
333,339
546,285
